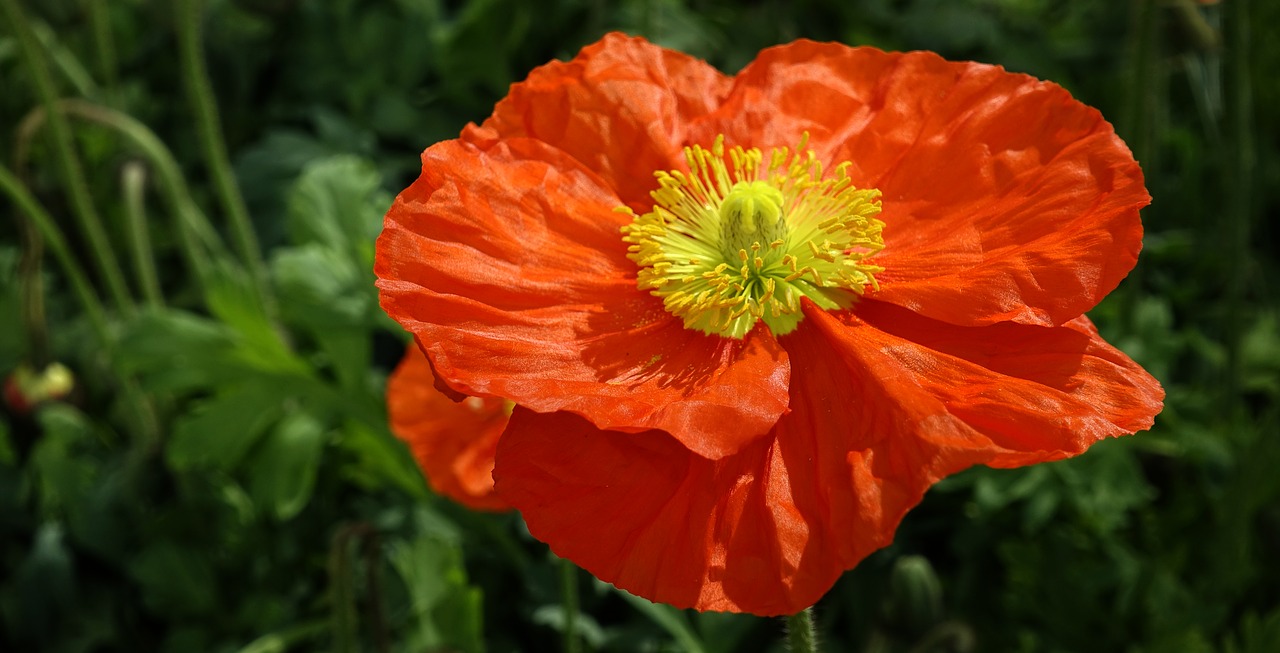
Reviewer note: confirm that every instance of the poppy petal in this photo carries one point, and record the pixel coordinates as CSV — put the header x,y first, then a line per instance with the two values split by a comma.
x,y
1022,394
1004,199
453,442
875,420
641,511
766,531
620,108
507,264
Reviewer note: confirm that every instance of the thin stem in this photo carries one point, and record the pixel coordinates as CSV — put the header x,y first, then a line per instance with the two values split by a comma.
x,y
65,65
372,551
103,45
31,287
208,125
1141,117
569,599
343,619
1239,181
195,234
40,219
133,177
801,636
67,160
53,238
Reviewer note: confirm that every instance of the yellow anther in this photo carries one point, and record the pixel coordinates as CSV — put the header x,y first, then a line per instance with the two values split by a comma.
x,y
741,237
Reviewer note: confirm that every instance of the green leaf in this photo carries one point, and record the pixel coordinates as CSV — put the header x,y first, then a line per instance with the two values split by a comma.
x,y
478,41
446,612
670,619
218,432
338,202
324,294
176,351
724,632
349,351
321,286
1256,634
64,473
552,616
234,301
278,642
175,580
1260,355
282,473
380,458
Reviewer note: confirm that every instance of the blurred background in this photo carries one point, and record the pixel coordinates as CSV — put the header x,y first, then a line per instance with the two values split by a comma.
x,y
194,453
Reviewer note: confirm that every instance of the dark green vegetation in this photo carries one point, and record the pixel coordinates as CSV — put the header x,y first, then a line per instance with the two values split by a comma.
x,y
222,478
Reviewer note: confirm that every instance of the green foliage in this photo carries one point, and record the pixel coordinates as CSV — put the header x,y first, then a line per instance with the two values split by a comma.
x,y
223,478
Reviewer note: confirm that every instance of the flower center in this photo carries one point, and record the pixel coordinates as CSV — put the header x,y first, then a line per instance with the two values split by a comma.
x,y
733,242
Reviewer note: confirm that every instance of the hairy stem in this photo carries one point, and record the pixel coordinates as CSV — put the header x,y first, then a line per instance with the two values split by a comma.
x,y
801,636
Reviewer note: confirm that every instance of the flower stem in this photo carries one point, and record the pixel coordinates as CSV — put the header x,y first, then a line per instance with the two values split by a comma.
x,y
801,637
195,234
67,161
45,225
1141,118
31,288
133,177
569,598
103,45
1238,186
199,90
48,229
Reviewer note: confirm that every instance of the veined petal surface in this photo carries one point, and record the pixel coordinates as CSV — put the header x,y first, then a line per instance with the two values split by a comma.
x,y
621,108
506,262
1004,199
876,419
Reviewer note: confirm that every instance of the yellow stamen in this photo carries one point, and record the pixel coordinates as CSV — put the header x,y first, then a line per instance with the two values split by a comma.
x,y
733,242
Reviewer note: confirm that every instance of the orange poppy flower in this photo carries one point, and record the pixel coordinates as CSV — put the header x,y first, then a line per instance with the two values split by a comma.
x,y
453,441
749,320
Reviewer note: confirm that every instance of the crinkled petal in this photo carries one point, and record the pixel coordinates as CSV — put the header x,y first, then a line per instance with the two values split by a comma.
x,y
453,442
1021,394
876,418
620,108
641,511
1004,199
507,264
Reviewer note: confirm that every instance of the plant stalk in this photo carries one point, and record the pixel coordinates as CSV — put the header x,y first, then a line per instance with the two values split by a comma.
x,y
103,45
569,599
133,179
67,161
57,244
200,95
1239,183
196,236
801,636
